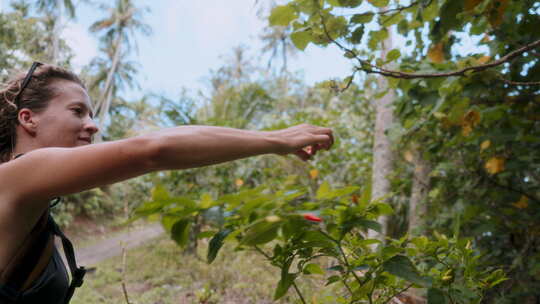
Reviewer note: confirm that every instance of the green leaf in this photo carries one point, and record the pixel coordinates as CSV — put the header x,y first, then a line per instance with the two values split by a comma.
x,y
205,234
393,55
345,3
180,232
402,267
384,209
379,3
344,191
336,26
369,242
356,36
260,233
373,225
324,191
215,244
206,201
301,39
332,279
375,37
313,269
431,12
435,296
149,208
282,15
159,193
283,286
392,19
362,18
365,198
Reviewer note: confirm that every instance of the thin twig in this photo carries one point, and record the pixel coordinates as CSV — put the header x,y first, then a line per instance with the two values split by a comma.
x,y
262,252
507,187
398,293
347,286
299,293
124,289
519,83
124,254
337,89
345,260
374,69
396,9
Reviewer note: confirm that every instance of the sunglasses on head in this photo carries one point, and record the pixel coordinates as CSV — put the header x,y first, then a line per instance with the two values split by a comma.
x,y
26,80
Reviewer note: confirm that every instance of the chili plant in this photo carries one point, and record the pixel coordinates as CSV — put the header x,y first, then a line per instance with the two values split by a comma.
x,y
300,233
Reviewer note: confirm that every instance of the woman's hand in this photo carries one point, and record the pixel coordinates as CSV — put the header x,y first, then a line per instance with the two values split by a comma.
x,y
303,140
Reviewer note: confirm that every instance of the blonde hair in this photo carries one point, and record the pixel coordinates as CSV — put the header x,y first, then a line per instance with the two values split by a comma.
x,y
35,96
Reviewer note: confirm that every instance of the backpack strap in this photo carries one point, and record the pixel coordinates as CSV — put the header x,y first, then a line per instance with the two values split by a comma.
x,y
77,273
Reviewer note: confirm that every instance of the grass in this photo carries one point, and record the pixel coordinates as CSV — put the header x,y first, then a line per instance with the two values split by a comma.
x,y
159,273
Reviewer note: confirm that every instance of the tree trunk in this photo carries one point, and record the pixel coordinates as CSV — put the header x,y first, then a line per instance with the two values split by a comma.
x,y
57,27
419,193
104,102
383,156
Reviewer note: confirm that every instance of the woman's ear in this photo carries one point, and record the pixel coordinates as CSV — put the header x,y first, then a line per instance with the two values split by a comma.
x,y
27,120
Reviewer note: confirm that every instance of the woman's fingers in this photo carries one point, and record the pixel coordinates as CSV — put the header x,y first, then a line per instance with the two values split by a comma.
x,y
302,154
306,140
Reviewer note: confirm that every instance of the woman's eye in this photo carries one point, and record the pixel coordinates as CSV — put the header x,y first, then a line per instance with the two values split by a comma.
x,y
77,111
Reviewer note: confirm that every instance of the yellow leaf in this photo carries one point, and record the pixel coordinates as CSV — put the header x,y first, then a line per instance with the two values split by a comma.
x,y
471,4
522,203
408,156
239,182
436,53
496,12
466,130
485,144
484,59
314,173
494,165
471,118
272,218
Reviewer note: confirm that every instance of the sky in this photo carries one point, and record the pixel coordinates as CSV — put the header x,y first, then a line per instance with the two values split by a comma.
x,y
190,38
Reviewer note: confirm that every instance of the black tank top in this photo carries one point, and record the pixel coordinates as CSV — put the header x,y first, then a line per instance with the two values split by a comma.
x,y
50,288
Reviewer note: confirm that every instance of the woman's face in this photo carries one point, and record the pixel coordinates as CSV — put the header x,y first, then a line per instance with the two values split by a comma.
x,y
67,120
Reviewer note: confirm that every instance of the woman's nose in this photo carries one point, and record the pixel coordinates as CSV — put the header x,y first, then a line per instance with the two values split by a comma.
x,y
91,126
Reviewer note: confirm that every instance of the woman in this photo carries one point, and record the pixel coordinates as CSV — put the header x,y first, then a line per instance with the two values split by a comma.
x,y
46,131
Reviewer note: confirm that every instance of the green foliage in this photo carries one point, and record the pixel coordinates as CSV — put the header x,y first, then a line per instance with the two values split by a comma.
x,y
477,133
278,229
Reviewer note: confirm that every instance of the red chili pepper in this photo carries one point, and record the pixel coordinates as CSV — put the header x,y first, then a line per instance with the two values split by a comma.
x,y
312,217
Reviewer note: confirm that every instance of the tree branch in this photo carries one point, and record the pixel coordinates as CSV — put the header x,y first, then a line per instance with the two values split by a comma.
x,y
519,83
396,9
507,187
396,294
299,293
374,69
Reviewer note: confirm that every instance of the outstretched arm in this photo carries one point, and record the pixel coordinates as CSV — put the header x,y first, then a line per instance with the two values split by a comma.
x,y
45,173
197,146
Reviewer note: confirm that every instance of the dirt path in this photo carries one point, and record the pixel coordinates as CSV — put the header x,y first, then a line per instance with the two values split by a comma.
x,y
91,255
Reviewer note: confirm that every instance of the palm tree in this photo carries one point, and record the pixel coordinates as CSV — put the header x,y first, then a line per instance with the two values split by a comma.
x,y
54,10
276,39
118,40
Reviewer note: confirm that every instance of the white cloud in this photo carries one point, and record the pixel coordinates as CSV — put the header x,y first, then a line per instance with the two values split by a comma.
x,y
83,45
